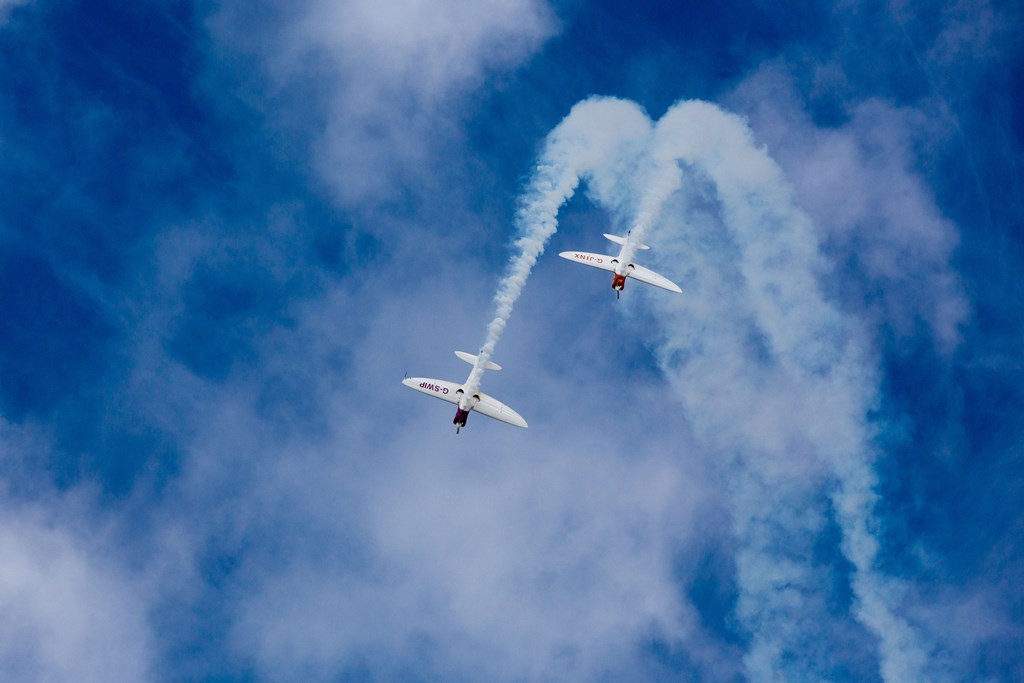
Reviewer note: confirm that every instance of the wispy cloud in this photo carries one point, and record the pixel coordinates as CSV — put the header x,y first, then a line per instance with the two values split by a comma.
x,y
6,6
390,77
873,213
69,610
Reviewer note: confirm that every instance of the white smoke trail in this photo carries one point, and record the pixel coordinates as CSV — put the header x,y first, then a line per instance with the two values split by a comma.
x,y
596,133
662,180
553,183
775,377
816,355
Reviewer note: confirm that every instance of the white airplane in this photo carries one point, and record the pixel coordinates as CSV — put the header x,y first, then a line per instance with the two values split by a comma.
x,y
622,265
466,397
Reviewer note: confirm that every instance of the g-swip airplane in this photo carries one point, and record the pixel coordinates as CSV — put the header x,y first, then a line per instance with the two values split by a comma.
x,y
465,397
620,267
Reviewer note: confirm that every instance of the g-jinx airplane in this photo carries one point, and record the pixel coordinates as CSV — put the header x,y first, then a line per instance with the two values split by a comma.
x,y
466,398
620,267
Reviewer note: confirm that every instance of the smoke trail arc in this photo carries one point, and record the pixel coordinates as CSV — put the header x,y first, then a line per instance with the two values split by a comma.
x,y
596,132
818,355
772,376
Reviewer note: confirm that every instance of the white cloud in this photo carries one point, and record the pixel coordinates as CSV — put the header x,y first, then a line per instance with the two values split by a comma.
x,y
390,77
428,47
873,209
6,6
970,29
69,610
368,535
66,616
514,567
965,34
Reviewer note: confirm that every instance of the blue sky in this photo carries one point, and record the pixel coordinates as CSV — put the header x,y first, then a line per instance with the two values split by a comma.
x,y
227,229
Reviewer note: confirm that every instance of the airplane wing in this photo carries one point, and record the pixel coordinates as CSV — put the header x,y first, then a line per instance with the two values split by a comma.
x,y
650,277
601,261
492,407
438,388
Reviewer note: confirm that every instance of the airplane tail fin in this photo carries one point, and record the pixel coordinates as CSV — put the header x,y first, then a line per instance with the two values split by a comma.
x,y
471,359
622,240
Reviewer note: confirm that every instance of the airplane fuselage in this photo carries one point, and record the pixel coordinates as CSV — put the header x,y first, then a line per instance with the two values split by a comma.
x,y
465,404
621,269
